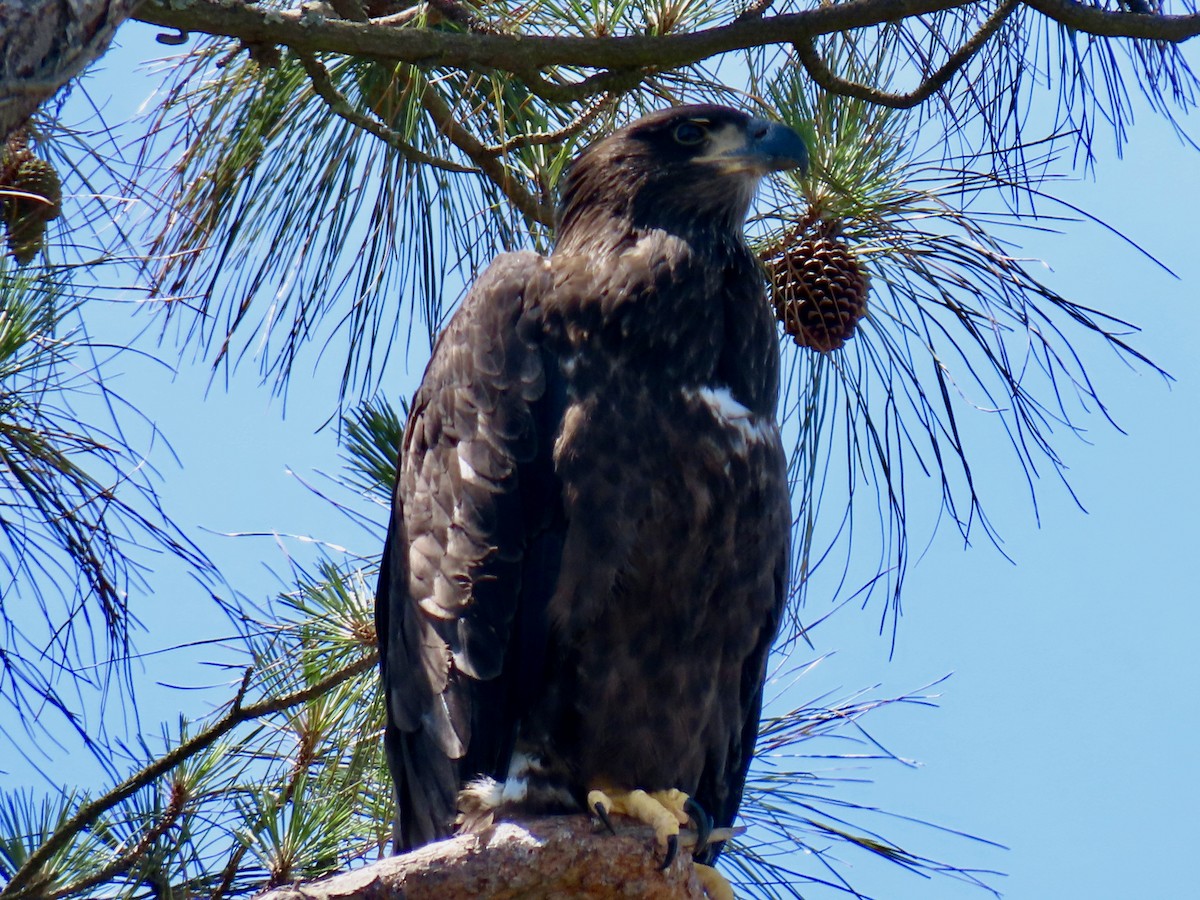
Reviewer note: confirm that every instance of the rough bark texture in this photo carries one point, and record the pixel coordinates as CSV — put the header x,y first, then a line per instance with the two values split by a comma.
x,y
536,859
46,43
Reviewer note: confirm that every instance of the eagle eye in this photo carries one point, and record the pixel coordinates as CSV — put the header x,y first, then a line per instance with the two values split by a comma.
x,y
689,133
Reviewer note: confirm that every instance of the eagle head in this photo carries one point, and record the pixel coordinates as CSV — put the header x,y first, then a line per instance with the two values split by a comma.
x,y
681,169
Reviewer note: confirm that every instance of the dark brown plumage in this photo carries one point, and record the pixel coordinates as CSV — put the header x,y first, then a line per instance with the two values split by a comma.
x,y
587,558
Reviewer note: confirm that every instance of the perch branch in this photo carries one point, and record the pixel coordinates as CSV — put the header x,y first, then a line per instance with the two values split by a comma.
x,y
537,859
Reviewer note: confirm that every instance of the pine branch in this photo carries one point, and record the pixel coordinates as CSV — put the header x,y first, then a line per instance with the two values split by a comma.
x,y
237,714
519,53
129,858
559,135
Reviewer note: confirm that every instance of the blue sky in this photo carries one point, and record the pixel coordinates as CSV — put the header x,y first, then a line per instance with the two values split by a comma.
x,y
1068,728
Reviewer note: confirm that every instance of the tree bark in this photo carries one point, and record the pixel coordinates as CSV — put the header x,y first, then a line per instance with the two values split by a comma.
x,y
46,43
534,859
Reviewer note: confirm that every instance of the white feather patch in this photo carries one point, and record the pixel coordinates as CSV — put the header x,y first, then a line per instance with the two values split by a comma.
x,y
726,409
516,785
468,473
485,795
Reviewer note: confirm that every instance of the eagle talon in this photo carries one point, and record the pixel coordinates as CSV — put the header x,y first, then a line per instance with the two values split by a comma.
x,y
672,852
704,824
602,814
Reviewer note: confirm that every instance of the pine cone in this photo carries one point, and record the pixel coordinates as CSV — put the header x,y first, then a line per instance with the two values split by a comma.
x,y
818,288
15,152
26,217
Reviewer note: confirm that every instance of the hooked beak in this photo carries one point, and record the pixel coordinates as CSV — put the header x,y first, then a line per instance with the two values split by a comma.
x,y
774,147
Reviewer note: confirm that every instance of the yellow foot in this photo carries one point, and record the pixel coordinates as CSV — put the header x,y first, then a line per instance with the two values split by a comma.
x,y
716,886
662,810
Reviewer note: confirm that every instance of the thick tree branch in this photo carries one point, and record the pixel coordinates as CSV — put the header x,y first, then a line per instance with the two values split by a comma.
x,y
521,52
552,858
1118,23
526,52
46,43
807,52
24,878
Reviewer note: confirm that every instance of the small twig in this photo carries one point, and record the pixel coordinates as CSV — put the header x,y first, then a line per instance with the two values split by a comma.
x,y
610,81
557,136
459,14
19,885
318,76
500,175
382,10
236,706
350,10
229,873
126,860
807,51
754,10
178,39
401,18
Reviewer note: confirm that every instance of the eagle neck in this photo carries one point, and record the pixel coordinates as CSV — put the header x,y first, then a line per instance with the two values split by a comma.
x,y
665,310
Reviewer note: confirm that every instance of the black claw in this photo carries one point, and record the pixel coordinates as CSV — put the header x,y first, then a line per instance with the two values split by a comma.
x,y
704,824
672,851
602,815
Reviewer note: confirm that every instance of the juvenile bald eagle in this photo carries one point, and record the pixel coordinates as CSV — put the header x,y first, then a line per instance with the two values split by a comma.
x,y
588,551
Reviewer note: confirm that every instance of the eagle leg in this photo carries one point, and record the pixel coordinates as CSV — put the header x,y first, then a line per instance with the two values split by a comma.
x,y
663,811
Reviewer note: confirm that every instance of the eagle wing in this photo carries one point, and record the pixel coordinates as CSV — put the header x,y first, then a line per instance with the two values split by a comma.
x,y
722,784
472,552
